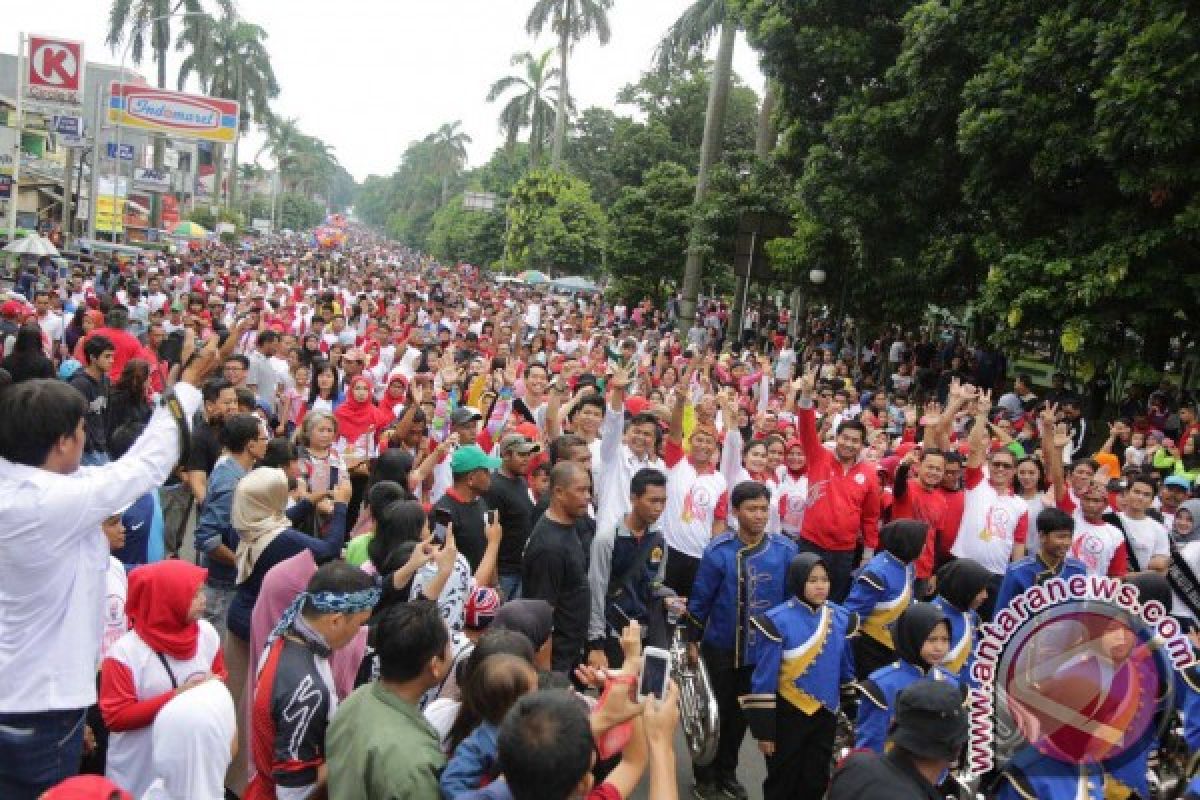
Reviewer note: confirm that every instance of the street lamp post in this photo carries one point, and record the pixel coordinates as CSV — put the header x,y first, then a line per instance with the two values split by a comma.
x,y
99,95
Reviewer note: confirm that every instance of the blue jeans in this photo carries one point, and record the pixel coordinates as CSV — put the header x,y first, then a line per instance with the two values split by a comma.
x,y
510,587
94,459
39,750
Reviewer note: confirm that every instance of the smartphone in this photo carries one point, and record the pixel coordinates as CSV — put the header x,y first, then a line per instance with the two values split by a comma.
x,y
656,671
441,524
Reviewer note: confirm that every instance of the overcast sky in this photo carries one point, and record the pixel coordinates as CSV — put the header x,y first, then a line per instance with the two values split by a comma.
x,y
369,76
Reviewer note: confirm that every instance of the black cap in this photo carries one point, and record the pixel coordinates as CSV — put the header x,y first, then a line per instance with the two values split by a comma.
x,y
931,719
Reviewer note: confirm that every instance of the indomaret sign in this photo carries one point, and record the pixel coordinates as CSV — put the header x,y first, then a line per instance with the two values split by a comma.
x,y
174,113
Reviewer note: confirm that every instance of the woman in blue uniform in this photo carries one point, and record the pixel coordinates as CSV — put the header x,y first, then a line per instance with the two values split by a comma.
x,y
961,588
881,591
803,661
922,637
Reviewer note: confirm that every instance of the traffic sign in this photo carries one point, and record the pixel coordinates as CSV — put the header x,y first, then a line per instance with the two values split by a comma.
x,y
126,151
54,72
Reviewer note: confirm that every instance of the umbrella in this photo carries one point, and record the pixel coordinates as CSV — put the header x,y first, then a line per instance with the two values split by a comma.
x,y
532,276
32,245
189,230
575,283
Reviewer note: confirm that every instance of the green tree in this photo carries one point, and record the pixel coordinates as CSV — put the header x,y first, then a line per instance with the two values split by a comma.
x,y
610,152
570,20
532,105
649,229
554,225
447,154
473,237
298,212
229,56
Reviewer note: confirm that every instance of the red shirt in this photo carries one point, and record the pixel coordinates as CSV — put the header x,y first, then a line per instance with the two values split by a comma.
x,y
843,503
950,524
927,505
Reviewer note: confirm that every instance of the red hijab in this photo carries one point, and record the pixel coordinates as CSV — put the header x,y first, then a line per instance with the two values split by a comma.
x,y
355,418
159,597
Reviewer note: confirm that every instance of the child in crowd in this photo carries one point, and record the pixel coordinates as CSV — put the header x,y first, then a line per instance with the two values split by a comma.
x,y
1056,532
922,638
881,591
961,588
803,663
490,691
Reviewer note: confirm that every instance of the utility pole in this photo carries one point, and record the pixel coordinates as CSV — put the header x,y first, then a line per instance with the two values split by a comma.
x,y
14,194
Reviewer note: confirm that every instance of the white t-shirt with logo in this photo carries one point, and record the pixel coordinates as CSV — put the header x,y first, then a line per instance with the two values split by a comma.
x,y
1096,545
116,588
992,523
694,502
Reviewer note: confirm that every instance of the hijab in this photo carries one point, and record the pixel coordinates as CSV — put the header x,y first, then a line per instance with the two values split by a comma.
x,y
1192,507
910,631
160,595
904,538
799,570
191,737
534,618
258,504
960,581
355,418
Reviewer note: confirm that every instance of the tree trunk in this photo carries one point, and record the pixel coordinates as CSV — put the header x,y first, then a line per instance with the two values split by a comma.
x,y
710,149
560,116
445,189
233,169
765,135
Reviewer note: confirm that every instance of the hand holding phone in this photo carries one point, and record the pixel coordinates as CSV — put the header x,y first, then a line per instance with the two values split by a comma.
x,y
656,672
441,524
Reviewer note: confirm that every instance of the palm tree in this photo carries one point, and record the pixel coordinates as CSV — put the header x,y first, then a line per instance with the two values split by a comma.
x,y
531,106
229,56
312,165
448,152
132,19
571,20
693,31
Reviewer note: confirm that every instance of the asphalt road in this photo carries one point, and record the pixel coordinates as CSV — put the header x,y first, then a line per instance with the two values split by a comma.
x,y
752,770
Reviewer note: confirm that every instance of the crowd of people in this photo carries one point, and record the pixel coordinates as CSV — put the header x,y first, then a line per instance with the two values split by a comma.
x,y
285,522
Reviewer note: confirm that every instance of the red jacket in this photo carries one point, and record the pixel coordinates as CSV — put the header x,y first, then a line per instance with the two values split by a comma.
x,y
842,503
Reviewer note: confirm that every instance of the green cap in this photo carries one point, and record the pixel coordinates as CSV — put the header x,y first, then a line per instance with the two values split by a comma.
x,y
470,458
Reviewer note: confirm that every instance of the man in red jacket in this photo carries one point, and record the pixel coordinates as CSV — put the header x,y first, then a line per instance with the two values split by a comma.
x,y
843,494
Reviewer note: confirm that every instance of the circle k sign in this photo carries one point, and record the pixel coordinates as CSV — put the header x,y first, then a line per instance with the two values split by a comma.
x,y
55,70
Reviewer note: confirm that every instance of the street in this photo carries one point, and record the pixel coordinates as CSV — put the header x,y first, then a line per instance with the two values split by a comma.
x,y
751,770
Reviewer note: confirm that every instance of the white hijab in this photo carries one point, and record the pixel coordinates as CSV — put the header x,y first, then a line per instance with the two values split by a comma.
x,y
192,735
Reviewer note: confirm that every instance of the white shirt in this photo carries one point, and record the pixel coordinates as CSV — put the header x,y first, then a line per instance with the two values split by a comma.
x,y
617,465
53,565
992,523
1095,545
52,326
1148,537
694,500
130,761
116,586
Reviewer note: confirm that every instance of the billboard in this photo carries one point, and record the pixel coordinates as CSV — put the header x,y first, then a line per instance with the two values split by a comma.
x,y
54,72
110,214
174,113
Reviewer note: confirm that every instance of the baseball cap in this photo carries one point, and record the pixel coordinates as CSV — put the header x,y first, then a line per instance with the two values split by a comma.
x,y
464,414
11,308
481,607
86,787
1178,482
931,720
522,444
471,458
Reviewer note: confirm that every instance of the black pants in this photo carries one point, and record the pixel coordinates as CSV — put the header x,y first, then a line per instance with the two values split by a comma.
x,y
681,572
870,655
840,564
803,753
358,491
728,684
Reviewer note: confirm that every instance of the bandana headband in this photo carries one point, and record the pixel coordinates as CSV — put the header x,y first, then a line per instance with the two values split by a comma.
x,y
327,603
